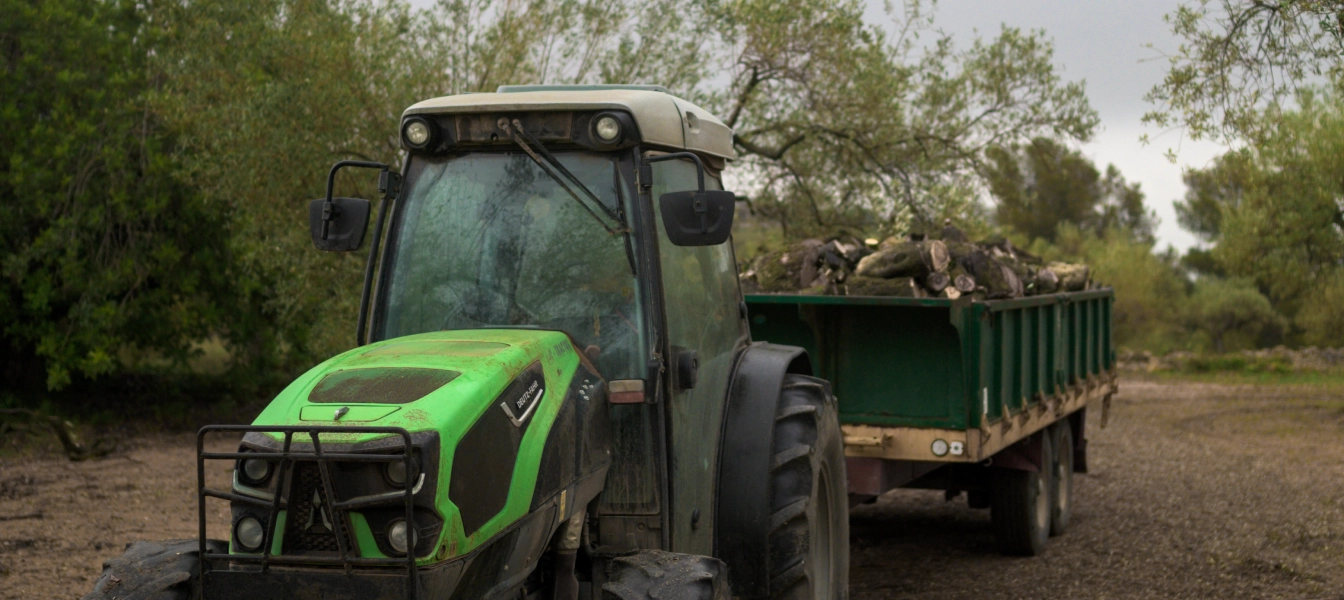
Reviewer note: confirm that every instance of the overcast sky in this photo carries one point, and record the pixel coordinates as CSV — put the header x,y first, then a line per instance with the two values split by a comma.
x,y
1102,43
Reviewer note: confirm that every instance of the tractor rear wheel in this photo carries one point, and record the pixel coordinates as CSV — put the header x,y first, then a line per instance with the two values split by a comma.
x,y
809,502
153,571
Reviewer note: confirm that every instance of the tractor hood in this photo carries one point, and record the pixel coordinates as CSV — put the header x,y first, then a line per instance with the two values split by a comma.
x,y
440,381
480,406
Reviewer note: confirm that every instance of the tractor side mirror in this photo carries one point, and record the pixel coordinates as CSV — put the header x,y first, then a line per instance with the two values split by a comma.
x,y
697,218
338,224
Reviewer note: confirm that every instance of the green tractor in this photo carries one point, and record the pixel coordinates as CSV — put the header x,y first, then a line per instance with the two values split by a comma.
x,y
554,395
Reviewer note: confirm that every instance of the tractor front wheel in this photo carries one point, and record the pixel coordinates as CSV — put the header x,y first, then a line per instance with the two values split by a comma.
x,y
658,575
153,571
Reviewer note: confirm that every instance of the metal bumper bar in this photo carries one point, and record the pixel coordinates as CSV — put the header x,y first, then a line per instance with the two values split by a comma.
x,y
286,456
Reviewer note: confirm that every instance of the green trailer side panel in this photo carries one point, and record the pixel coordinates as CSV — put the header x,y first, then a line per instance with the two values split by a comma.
x,y
907,362
888,365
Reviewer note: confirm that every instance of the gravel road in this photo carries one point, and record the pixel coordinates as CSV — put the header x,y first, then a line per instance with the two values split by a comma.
x,y
1196,491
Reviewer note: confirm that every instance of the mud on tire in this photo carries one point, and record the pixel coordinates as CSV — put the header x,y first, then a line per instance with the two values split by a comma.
x,y
153,571
651,574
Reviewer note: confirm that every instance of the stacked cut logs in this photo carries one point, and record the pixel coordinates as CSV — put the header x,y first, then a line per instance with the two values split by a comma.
x,y
912,266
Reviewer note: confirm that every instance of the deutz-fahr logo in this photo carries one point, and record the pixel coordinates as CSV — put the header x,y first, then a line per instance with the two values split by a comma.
x,y
522,396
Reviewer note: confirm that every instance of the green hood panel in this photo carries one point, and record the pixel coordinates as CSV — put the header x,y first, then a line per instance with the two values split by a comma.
x,y
442,382
475,365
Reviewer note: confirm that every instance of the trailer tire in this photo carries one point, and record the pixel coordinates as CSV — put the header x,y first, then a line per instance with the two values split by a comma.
x,y
1020,506
809,500
654,574
1061,489
153,571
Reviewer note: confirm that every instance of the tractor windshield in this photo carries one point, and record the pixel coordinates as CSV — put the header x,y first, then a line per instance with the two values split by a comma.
x,y
489,239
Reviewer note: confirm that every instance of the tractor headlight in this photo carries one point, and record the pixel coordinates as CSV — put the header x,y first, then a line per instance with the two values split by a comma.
x,y
397,534
418,132
607,128
395,472
249,533
253,472
256,469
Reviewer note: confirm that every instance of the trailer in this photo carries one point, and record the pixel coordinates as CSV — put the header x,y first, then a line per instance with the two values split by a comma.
x,y
986,398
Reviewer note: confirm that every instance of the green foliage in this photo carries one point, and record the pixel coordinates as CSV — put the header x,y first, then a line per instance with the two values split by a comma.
x,y
1149,289
1239,56
1231,310
1321,319
289,87
1286,231
1212,191
102,245
1044,183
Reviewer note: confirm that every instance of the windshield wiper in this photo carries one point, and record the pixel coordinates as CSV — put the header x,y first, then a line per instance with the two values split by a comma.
x,y
555,169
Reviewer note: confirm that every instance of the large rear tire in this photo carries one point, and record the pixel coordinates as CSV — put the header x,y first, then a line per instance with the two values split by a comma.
x,y
153,571
809,507
1020,506
654,574
1061,490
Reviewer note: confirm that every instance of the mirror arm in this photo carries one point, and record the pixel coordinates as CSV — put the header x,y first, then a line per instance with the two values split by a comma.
x,y
699,166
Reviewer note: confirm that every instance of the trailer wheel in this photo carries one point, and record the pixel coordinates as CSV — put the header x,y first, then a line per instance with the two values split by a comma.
x,y
809,501
1061,490
654,574
1021,505
153,571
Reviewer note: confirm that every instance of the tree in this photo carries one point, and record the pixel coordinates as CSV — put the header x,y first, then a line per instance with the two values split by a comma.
x,y
837,122
1241,56
1287,230
102,246
1043,183
1231,307
1211,192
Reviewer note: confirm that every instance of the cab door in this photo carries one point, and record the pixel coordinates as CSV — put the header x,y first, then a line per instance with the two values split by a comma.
x,y
702,306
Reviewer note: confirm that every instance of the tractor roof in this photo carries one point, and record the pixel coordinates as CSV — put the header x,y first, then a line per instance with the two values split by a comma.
x,y
663,119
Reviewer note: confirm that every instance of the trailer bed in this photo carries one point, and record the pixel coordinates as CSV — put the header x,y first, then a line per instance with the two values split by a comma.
x,y
948,381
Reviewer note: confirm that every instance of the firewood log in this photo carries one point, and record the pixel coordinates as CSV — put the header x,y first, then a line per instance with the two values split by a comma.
x,y
860,285
906,259
1072,278
937,281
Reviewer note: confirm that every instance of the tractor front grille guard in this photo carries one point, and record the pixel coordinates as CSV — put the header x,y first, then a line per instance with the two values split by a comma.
x,y
338,509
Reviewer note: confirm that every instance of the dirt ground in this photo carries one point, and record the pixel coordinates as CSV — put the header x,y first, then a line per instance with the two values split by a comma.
x,y
1195,491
